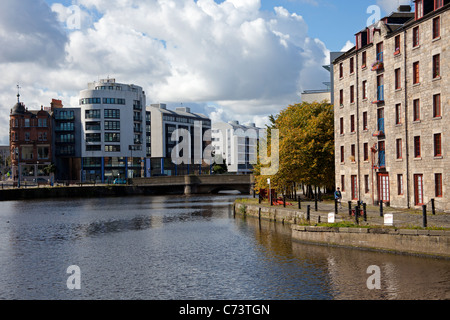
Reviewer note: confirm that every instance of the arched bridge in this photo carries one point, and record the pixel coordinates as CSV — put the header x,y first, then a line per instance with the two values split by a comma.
x,y
201,184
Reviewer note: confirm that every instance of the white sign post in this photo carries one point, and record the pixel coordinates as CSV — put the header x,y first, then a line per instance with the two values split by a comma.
x,y
388,219
331,217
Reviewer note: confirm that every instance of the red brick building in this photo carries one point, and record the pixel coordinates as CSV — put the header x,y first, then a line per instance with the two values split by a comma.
x,y
30,142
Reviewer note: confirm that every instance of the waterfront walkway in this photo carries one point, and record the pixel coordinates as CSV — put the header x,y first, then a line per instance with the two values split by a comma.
x,y
402,218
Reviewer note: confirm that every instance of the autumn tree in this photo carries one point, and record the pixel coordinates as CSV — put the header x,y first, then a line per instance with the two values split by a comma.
x,y
306,147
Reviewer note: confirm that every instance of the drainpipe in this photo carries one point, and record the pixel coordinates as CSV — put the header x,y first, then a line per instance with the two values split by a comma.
x,y
357,125
406,122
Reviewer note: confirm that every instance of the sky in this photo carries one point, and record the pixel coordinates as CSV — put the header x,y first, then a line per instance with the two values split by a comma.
x,y
229,59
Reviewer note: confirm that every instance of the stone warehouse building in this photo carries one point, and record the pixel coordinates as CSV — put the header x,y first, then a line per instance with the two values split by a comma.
x,y
392,116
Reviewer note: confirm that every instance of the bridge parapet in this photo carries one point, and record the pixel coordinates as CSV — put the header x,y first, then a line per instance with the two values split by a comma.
x,y
201,183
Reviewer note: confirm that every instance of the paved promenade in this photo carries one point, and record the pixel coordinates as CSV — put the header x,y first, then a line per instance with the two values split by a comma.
x,y
402,218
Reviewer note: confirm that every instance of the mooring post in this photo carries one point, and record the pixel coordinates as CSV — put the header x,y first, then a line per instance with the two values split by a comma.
x,y
381,208
365,211
424,216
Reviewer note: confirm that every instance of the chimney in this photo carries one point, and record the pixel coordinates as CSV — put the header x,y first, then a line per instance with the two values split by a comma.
x,y
56,104
404,8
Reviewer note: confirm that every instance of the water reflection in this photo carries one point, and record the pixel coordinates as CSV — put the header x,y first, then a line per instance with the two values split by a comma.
x,y
187,248
342,273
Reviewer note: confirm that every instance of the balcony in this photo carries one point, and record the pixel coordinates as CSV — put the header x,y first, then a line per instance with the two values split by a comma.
x,y
379,64
381,160
380,95
380,128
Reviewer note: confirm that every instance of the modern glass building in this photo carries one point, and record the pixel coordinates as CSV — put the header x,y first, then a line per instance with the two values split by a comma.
x,y
113,131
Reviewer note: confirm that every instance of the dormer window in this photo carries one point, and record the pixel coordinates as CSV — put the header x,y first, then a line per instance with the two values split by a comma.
x,y
419,9
370,35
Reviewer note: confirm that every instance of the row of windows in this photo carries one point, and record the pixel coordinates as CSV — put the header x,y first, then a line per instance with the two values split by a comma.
x,y
108,148
186,120
28,123
99,101
418,186
417,151
41,136
416,115
64,115
436,74
108,136
110,114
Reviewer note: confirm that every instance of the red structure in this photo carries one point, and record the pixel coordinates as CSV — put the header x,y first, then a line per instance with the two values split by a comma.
x,y
30,142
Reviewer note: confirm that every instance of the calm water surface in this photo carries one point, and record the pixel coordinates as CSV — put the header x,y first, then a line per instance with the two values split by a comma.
x,y
187,248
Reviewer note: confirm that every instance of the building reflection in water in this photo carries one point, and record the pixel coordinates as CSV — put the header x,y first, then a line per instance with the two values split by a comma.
x,y
402,277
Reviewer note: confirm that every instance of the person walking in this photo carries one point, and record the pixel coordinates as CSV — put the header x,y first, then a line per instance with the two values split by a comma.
x,y
338,197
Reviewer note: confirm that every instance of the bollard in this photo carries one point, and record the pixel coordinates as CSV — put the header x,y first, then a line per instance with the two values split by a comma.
x,y
433,209
254,193
365,211
356,214
424,216
299,203
381,208
308,209
259,198
318,219
284,201
349,208
335,206
315,202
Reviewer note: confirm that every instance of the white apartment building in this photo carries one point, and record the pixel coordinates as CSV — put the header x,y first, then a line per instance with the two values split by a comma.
x,y
165,152
113,130
237,144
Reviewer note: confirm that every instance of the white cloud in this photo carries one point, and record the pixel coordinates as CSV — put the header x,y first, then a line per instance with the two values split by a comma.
x,y
250,64
348,45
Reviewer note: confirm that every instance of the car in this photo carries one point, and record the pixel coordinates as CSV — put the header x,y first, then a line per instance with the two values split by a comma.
x,y
120,181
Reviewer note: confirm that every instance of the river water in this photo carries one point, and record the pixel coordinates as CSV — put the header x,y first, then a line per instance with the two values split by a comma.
x,y
188,248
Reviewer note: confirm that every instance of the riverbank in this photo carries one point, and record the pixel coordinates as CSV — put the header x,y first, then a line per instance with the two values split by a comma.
x,y
86,191
403,236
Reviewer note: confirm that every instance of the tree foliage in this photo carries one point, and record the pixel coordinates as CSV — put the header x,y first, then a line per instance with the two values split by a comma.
x,y
306,146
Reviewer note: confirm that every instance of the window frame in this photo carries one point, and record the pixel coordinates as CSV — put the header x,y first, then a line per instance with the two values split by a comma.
x,y
437,144
437,112
416,72
417,147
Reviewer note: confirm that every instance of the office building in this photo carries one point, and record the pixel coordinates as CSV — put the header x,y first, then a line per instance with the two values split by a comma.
x,y
176,141
112,131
